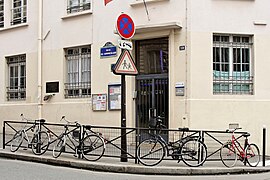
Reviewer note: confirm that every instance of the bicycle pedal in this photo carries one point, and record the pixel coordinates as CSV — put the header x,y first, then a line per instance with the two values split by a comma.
x,y
75,155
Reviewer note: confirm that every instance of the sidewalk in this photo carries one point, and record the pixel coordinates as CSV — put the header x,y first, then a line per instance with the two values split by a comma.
x,y
114,165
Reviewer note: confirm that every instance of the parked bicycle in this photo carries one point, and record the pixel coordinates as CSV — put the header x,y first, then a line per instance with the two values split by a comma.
x,y
190,149
39,143
233,150
82,141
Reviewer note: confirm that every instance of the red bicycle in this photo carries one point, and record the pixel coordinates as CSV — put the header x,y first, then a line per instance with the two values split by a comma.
x,y
232,150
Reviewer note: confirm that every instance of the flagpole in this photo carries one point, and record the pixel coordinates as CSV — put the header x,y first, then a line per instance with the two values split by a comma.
x,y
146,10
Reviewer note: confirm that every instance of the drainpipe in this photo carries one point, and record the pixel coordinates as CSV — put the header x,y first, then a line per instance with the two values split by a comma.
x,y
186,117
40,27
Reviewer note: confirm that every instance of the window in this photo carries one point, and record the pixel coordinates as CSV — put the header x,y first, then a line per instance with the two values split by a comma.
x,y
18,12
78,5
17,77
78,72
1,13
232,64
153,56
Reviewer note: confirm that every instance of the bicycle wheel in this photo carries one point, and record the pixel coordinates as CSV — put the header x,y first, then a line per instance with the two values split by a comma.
x,y
150,152
193,152
93,147
16,141
58,147
252,155
40,143
228,154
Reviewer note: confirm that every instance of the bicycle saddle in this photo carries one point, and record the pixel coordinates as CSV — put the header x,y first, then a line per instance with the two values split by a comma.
x,y
40,121
88,127
246,135
183,129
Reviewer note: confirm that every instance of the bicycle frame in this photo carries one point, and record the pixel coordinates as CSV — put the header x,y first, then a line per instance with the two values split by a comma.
x,y
67,134
24,131
169,146
240,150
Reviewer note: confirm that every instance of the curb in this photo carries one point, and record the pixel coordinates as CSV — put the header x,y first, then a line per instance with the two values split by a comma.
x,y
133,169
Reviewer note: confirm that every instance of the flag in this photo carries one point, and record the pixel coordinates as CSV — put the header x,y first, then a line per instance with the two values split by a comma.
x,y
107,1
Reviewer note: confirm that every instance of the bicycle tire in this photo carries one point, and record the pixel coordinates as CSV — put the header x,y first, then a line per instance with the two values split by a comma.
x,y
150,152
40,143
193,152
16,141
228,155
93,147
252,155
58,147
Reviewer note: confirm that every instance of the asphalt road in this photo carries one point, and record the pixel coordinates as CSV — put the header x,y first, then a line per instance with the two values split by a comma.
x,y
21,170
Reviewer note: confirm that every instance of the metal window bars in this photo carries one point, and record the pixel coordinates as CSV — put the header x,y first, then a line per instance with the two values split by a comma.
x,y
18,15
78,7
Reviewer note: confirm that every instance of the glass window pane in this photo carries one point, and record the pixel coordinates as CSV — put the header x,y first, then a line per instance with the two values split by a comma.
x,y
245,55
236,55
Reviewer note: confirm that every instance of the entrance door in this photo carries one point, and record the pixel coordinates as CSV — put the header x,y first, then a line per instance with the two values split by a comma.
x,y
152,81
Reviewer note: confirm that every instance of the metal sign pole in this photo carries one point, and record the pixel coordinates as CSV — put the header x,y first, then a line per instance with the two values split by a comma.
x,y
123,120
126,29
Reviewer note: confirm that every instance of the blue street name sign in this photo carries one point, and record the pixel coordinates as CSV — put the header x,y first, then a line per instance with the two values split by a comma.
x,y
108,51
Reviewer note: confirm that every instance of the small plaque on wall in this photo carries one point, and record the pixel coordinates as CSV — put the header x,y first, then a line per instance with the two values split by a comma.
x,y
99,102
52,87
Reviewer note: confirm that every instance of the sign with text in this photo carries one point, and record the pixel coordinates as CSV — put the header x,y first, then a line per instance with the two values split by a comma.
x,y
108,50
123,44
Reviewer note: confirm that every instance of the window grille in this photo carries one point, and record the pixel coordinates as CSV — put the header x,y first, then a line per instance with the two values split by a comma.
x,y
78,5
232,64
78,83
17,77
18,12
1,13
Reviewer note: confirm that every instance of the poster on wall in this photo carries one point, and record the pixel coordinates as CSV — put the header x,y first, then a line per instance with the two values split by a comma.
x,y
99,102
114,102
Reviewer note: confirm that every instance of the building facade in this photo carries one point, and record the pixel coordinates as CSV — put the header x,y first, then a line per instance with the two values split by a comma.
x,y
202,64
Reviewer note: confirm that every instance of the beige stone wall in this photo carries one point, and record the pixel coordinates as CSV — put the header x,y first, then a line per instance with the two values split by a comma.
x,y
198,109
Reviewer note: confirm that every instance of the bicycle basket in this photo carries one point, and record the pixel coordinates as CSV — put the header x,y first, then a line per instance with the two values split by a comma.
x,y
76,134
233,125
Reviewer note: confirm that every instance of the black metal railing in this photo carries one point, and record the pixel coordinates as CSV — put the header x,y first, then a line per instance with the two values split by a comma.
x,y
112,137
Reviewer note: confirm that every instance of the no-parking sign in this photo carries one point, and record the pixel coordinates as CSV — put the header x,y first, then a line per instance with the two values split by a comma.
x,y
125,26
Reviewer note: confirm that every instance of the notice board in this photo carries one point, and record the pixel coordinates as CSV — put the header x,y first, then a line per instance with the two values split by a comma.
x,y
114,101
99,102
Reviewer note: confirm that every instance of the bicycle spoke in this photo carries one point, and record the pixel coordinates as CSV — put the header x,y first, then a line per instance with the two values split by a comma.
x,y
150,152
93,147
228,155
252,155
193,152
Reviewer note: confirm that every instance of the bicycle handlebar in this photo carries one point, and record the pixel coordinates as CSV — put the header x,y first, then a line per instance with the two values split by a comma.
x,y
232,130
69,122
36,121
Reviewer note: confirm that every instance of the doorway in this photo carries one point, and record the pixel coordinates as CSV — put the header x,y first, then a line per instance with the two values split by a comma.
x,y
152,81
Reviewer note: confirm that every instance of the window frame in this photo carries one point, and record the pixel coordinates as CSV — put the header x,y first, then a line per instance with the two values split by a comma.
x,y
81,5
19,8
16,88
78,76
2,13
232,75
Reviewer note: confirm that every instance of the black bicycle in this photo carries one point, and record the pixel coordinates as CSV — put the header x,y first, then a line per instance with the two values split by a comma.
x,y
190,149
89,143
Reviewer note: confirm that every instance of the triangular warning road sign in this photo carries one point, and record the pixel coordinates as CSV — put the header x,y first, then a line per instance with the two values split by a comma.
x,y
125,64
